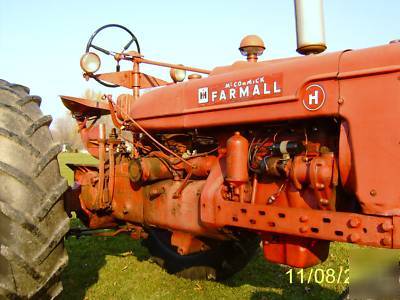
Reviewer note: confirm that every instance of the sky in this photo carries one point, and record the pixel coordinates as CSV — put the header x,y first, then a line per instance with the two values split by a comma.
x,y
41,42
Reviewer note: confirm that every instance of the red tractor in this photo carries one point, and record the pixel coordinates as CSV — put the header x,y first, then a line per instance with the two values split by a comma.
x,y
293,153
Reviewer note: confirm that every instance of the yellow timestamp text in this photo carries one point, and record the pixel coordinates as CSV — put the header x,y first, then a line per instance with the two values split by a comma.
x,y
318,275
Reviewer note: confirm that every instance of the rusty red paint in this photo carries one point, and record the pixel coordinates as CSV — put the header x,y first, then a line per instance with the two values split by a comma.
x,y
291,199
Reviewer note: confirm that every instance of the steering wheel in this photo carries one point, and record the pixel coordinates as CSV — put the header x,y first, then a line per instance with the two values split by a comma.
x,y
107,52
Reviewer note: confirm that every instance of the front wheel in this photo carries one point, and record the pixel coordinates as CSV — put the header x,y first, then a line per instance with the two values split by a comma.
x,y
33,222
223,260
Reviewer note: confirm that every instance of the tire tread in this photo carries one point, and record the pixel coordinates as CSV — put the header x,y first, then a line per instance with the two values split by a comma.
x,y
35,269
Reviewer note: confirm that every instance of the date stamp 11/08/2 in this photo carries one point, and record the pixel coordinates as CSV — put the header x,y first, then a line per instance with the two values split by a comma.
x,y
320,276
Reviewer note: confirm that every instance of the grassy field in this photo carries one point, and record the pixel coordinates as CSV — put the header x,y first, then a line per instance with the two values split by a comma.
x,y
120,268
73,158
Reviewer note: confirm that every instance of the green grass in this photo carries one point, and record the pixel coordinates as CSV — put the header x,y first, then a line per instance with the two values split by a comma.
x,y
73,158
120,268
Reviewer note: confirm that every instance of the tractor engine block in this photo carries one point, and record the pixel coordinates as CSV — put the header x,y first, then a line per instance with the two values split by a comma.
x,y
281,165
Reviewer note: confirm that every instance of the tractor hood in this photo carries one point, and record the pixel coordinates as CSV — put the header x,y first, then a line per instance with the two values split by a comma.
x,y
248,92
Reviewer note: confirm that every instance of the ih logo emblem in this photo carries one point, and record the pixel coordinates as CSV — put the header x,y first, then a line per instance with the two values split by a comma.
x,y
314,97
203,95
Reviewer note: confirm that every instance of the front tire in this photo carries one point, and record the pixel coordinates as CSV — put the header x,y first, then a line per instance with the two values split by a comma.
x,y
33,222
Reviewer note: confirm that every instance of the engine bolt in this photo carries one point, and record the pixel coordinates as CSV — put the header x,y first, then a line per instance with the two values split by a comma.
x,y
319,186
271,199
386,241
354,222
340,101
303,229
303,219
373,193
387,226
324,201
354,237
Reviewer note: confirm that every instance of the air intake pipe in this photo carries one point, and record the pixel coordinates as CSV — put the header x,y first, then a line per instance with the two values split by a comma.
x,y
310,26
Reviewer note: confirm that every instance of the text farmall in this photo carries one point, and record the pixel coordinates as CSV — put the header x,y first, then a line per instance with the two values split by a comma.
x,y
240,89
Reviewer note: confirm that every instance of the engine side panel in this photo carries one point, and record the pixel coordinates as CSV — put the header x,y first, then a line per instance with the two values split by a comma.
x,y
371,106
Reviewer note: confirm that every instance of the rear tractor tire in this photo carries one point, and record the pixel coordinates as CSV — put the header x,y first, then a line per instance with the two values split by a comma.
x,y
33,222
222,261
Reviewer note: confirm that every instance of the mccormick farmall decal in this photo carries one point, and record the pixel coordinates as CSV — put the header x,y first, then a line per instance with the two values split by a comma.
x,y
254,88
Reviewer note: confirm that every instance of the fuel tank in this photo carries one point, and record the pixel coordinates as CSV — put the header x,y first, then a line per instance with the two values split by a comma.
x,y
274,90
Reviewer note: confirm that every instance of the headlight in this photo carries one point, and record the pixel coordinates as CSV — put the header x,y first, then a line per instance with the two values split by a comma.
x,y
90,62
177,75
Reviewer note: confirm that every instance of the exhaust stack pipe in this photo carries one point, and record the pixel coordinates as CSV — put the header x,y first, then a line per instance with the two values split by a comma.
x,y
310,26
